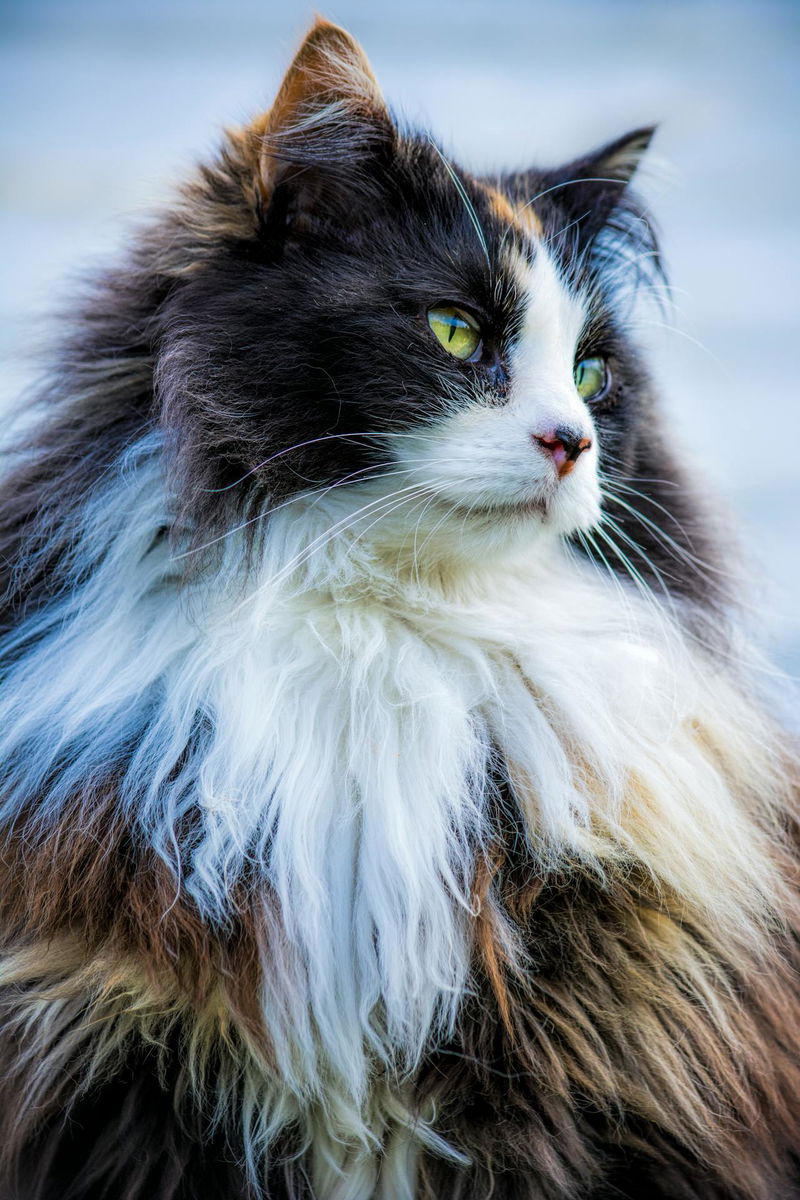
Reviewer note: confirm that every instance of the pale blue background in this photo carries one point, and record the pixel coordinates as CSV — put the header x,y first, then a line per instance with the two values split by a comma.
x,y
104,105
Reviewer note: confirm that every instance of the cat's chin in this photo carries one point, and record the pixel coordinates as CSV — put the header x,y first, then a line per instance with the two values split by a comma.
x,y
555,512
353,533
453,536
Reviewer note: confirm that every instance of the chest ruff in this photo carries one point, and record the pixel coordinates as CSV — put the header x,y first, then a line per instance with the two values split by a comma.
x,y
370,861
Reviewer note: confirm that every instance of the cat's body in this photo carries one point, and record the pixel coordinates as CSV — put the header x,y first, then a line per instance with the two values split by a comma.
x,y
361,837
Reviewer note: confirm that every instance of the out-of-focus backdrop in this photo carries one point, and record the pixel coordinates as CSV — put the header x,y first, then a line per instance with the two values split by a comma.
x,y
106,103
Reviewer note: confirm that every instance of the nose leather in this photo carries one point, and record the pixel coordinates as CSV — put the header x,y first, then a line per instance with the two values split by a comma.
x,y
565,446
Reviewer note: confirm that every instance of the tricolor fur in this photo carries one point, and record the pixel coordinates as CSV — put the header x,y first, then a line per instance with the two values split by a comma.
x,y
383,814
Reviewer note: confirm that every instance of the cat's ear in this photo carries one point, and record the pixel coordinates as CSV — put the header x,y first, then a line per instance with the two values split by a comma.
x,y
590,189
328,117
330,81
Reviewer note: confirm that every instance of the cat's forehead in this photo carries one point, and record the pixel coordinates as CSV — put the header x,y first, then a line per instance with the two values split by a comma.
x,y
447,190
496,240
522,218
478,216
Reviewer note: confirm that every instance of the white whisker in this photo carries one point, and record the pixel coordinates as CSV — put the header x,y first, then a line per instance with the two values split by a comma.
x,y
470,207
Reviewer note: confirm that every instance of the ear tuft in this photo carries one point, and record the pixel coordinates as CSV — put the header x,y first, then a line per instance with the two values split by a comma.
x,y
621,158
592,191
329,67
329,94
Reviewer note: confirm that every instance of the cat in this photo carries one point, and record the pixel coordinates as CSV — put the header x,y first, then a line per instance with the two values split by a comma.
x,y
388,809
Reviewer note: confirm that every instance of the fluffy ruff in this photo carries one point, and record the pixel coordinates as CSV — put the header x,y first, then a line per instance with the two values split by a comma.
x,y
321,879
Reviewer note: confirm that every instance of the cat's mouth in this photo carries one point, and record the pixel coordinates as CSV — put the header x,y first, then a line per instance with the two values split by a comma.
x,y
564,511
536,506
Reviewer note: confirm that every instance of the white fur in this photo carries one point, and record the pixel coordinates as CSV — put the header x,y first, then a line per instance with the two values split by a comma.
x,y
332,714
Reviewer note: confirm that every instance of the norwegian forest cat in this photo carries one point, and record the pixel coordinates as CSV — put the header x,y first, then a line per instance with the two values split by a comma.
x,y
385,808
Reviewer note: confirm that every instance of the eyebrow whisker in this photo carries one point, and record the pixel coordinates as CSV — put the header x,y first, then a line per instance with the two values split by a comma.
x,y
470,207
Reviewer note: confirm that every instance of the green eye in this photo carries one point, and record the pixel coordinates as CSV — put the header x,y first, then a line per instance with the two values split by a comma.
x,y
457,330
592,378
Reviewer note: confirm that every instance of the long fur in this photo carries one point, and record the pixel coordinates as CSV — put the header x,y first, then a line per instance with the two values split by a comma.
x,y
359,840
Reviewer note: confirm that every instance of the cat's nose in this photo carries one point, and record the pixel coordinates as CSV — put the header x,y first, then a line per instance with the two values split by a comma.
x,y
564,444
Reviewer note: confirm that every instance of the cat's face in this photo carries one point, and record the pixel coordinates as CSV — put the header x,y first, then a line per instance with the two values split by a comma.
x,y
508,435
378,327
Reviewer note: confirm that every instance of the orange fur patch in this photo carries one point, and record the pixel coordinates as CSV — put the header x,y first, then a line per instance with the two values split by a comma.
x,y
524,218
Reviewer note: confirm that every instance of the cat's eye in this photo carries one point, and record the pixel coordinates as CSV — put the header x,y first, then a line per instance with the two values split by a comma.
x,y
592,378
456,329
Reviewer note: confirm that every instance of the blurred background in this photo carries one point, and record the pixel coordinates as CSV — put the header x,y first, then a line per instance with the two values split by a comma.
x,y
106,104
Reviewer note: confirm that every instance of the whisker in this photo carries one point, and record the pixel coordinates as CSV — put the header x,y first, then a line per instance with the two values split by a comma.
x,y
560,232
622,476
328,437
593,553
387,513
473,216
718,362
630,567
649,597
379,473
268,512
554,188
448,513
335,530
416,534
692,633
668,542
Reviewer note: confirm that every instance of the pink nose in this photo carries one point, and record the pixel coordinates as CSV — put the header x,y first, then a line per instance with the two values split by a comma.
x,y
564,445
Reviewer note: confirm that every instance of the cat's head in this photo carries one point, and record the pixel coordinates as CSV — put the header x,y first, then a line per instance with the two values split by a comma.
x,y
359,318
